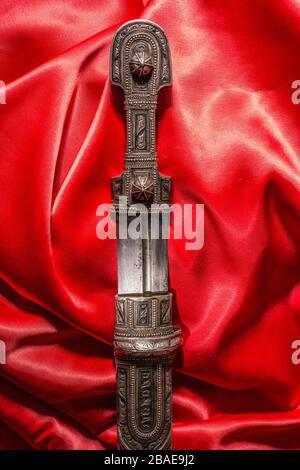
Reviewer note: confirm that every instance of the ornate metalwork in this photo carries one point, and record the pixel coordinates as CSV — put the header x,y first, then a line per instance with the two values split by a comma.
x,y
145,340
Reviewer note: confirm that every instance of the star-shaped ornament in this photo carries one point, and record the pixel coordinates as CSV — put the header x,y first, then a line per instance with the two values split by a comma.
x,y
141,65
142,189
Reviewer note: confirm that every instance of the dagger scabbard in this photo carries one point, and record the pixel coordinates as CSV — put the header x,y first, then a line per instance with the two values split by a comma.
x,y
145,340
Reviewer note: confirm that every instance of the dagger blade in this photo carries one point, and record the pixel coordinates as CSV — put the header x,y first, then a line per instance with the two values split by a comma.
x,y
142,265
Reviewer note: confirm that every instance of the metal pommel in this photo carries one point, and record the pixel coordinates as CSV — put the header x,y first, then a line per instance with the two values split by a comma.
x,y
139,48
145,339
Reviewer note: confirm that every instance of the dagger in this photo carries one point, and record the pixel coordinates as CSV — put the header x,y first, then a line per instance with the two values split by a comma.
x,y
145,339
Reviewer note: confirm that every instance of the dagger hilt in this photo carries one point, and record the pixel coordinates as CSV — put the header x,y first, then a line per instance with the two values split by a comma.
x,y
145,340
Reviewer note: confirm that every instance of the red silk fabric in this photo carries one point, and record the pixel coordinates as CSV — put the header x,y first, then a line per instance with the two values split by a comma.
x,y
229,136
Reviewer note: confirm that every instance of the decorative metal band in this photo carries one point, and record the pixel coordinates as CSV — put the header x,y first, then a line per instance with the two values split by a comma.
x,y
143,312
144,325
151,345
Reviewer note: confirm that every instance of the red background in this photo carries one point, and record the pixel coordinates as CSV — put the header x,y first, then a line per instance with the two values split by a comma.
x,y
229,136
